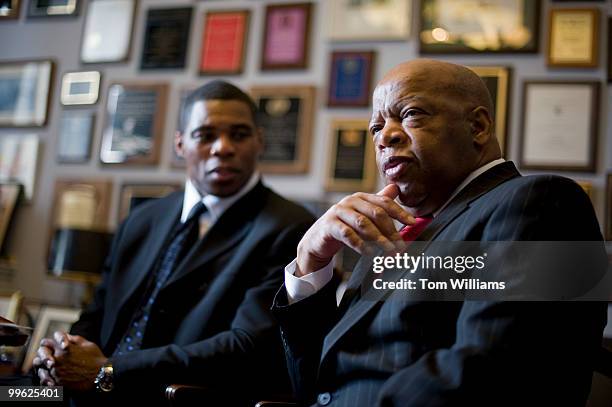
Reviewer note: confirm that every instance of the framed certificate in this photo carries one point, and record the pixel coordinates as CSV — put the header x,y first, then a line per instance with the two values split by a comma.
x,y
608,220
74,138
18,159
350,78
560,122
9,197
80,88
104,42
368,20
610,50
81,204
223,42
286,115
134,123
471,26
166,38
573,38
9,9
497,79
286,36
49,8
133,195
25,88
352,165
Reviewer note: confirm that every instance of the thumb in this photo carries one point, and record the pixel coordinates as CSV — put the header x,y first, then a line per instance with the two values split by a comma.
x,y
77,339
390,191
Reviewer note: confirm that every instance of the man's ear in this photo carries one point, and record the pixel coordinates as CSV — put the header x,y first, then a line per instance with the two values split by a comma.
x,y
481,125
178,143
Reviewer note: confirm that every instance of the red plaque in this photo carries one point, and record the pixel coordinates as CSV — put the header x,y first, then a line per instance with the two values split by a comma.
x,y
223,42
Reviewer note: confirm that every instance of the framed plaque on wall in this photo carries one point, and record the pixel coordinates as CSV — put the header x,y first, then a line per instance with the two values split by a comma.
x,y
573,38
134,124
74,138
350,78
560,126
224,42
352,165
286,115
166,38
286,36
80,88
10,9
133,195
51,8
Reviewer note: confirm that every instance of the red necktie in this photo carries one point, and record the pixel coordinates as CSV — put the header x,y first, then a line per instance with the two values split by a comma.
x,y
410,232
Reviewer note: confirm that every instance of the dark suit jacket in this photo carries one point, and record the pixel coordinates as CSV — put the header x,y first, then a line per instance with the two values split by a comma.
x,y
211,320
435,353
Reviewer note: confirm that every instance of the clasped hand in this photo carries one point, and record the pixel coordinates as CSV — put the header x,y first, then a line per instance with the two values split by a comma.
x,y
68,360
359,221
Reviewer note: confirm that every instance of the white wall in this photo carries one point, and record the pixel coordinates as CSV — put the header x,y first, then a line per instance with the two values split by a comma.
x,y
60,39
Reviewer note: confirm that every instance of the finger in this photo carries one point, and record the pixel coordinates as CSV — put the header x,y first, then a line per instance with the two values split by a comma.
x,y
390,191
76,339
364,227
381,220
36,362
48,343
62,339
45,378
46,356
390,206
345,234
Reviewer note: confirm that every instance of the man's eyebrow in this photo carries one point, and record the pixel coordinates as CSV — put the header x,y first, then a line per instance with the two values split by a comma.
x,y
239,126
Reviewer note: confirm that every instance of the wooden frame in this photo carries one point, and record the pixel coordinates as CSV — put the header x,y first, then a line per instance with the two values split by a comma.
x,y
609,49
11,12
141,192
16,82
293,51
10,305
81,204
445,28
350,142
166,38
134,123
498,81
223,51
10,193
350,78
18,160
75,137
372,21
568,48
50,319
608,208
560,121
70,9
80,88
286,115
97,44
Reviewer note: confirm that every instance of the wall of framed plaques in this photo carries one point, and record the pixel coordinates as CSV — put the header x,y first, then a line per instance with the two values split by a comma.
x,y
323,54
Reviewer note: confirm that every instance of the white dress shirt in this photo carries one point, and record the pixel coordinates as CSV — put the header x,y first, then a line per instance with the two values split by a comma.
x,y
299,288
215,205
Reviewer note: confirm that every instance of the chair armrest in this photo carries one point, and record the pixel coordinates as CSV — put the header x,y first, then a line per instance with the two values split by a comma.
x,y
178,394
276,404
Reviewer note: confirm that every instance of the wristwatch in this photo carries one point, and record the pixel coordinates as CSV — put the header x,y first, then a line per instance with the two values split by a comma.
x,y
104,379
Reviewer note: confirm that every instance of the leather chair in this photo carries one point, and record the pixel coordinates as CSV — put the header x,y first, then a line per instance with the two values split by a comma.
x,y
186,395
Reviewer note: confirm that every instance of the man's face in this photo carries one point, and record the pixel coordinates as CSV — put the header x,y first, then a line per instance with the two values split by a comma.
x,y
422,138
220,145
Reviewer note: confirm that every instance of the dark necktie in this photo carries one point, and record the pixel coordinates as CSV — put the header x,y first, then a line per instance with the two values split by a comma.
x,y
183,238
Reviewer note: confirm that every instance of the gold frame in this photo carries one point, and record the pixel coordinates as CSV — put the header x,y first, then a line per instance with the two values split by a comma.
x,y
370,172
14,302
130,190
593,61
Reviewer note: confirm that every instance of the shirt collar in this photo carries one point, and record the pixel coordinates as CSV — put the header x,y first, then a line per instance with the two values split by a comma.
x,y
216,205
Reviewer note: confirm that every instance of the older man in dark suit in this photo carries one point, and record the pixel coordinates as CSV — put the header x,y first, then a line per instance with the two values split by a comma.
x,y
433,133
189,279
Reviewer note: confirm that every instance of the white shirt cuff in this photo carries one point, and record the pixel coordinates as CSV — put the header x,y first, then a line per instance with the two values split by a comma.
x,y
299,288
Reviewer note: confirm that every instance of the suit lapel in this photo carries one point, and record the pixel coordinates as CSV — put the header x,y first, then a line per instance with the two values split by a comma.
x,y
479,186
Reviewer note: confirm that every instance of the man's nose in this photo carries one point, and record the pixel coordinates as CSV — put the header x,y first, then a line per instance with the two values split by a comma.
x,y
392,135
223,146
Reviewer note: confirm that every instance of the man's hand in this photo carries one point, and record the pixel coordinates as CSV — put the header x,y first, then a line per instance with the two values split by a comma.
x,y
77,365
357,221
44,360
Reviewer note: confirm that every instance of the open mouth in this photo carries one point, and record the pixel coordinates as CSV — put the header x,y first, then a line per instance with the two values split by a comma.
x,y
394,167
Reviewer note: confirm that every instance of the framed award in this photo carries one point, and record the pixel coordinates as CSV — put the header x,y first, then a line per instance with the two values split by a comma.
x,y
472,27
9,9
9,197
166,38
608,203
286,115
51,8
134,124
104,42
81,204
286,36
350,78
352,165
560,126
133,195
18,160
380,20
25,89
80,88
498,82
610,50
224,42
74,138
573,38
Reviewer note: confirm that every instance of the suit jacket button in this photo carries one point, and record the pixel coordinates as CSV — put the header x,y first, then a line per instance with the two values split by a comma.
x,y
324,399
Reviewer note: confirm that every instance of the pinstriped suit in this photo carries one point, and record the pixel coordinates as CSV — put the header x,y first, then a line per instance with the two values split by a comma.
x,y
417,353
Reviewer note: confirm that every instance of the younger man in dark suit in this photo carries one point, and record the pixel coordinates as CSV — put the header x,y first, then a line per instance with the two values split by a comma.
x,y
188,282
435,147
